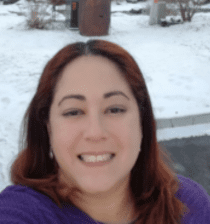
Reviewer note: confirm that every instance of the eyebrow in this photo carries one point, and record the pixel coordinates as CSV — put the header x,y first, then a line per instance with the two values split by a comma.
x,y
82,98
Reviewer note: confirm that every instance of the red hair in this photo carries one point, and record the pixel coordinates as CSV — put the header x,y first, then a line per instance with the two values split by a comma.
x,y
153,181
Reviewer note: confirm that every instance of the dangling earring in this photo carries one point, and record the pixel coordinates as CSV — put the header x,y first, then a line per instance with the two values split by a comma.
x,y
51,154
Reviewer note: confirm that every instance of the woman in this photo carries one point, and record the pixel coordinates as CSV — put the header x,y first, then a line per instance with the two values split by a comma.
x,y
91,153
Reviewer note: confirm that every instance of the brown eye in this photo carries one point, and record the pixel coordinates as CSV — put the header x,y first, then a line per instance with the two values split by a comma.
x,y
71,113
114,110
117,109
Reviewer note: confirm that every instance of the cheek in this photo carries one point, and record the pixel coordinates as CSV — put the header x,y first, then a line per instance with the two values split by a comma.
x,y
134,131
135,138
61,133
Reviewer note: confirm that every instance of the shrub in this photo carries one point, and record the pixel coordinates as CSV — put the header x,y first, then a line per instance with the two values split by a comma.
x,y
37,16
186,8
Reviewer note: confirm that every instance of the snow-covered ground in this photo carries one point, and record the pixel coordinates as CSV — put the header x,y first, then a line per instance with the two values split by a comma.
x,y
175,62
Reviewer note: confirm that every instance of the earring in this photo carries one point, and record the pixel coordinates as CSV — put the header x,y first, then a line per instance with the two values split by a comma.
x,y
51,154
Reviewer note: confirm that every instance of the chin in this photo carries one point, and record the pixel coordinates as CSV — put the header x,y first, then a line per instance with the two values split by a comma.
x,y
92,187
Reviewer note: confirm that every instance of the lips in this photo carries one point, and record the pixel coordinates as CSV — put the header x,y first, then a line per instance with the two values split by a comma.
x,y
96,153
99,158
83,156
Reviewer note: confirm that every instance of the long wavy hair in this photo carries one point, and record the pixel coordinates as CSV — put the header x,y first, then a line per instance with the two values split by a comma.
x,y
154,180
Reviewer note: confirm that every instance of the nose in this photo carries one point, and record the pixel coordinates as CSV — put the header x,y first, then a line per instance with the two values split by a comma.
x,y
95,130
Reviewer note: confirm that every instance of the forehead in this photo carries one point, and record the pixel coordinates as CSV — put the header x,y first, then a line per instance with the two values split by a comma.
x,y
91,74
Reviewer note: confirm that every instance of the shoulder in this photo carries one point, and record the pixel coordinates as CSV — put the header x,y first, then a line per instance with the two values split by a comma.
x,y
24,205
21,204
196,198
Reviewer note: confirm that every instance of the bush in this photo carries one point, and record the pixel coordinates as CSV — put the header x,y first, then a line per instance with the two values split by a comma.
x,y
186,8
37,16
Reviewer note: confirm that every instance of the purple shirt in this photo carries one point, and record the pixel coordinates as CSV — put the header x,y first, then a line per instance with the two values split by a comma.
x,y
23,205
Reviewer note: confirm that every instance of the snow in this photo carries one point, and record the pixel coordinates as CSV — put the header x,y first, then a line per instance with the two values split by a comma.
x,y
174,61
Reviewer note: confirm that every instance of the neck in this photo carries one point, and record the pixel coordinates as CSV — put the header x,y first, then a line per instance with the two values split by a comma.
x,y
115,206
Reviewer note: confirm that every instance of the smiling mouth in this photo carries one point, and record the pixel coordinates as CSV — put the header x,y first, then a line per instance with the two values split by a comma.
x,y
95,159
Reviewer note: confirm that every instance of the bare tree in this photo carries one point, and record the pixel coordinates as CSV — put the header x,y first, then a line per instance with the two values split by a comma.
x,y
37,14
188,8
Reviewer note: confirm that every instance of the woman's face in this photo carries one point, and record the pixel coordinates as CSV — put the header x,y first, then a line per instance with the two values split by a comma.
x,y
90,124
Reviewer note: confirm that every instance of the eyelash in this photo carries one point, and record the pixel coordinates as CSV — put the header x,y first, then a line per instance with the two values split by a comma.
x,y
73,111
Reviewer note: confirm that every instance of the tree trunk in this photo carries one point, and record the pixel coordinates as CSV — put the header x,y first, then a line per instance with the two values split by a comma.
x,y
182,11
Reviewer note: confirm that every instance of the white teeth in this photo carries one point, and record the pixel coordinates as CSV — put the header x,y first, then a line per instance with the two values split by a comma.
x,y
93,158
